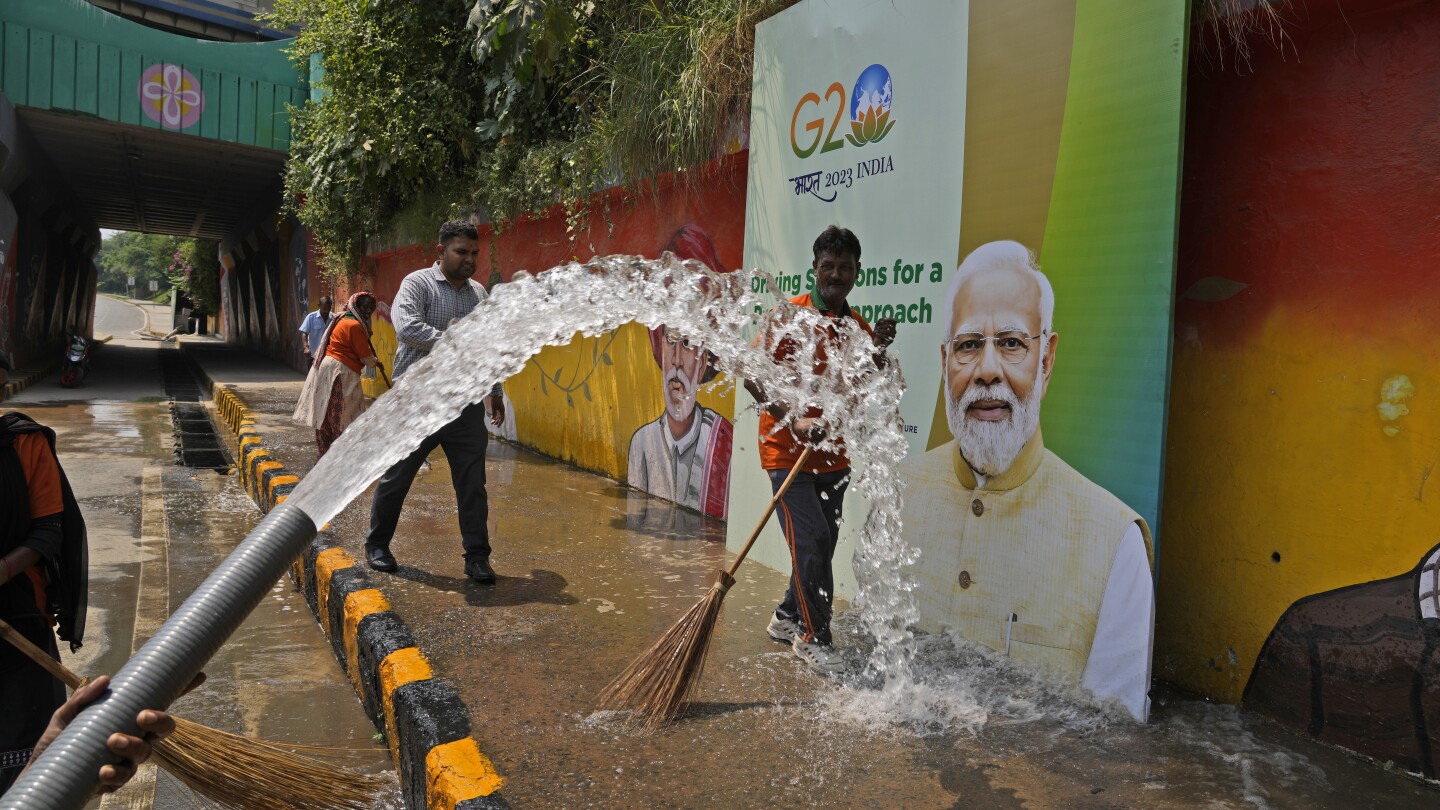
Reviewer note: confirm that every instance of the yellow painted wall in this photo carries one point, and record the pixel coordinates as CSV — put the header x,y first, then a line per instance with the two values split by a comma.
x,y
1287,444
572,403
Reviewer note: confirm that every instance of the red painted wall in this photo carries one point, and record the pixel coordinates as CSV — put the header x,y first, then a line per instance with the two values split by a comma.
x,y
1305,392
638,223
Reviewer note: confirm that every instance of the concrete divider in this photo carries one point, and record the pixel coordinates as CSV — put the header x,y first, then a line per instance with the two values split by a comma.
x,y
24,379
424,721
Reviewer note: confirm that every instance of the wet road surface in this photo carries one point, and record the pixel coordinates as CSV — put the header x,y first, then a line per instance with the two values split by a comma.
x,y
155,531
591,573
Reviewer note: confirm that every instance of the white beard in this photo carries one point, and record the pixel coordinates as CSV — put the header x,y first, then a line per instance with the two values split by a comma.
x,y
991,447
682,407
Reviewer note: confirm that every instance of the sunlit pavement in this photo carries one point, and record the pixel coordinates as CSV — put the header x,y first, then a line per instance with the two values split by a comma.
x,y
156,530
591,573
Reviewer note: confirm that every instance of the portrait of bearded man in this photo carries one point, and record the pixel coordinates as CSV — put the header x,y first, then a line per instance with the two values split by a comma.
x,y
684,455
1019,551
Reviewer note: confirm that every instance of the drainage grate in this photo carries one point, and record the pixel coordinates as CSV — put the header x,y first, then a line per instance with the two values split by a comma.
x,y
196,444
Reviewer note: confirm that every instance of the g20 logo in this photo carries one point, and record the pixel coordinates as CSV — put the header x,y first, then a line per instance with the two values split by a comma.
x,y
869,114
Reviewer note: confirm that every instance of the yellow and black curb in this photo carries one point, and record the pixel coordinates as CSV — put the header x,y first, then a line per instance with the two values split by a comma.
x,y
25,380
424,720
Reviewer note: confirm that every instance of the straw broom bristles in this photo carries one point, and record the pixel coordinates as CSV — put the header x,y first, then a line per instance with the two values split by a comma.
x,y
249,774
658,683
233,771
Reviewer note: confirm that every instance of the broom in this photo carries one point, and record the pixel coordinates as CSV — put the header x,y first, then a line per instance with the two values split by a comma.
x,y
237,772
658,683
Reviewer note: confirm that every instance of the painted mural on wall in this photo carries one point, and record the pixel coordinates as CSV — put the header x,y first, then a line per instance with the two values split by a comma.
x,y
297,302
170,96
1359,666
684,455
1039,201
600,402
1300,498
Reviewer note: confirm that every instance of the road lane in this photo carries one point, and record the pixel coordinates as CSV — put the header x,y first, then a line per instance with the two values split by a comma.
x,y
117,318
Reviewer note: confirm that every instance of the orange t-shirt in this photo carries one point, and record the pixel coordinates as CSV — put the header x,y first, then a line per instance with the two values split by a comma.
x,y
349,344
42,474
780,450
42,478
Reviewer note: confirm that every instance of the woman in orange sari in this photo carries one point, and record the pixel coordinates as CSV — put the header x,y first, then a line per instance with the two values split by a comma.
x,y
332,397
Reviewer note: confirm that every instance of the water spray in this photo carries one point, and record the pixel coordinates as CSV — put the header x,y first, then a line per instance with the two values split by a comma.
x,y
493,343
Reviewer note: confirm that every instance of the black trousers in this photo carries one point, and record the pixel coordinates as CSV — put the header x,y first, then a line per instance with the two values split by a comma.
x,y
810,517
464,441
28,694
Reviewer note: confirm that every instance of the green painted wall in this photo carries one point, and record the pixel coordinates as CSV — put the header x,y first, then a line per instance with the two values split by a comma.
x,y
69,56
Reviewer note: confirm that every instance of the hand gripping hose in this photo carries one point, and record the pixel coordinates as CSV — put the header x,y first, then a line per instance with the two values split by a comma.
x,y
66,773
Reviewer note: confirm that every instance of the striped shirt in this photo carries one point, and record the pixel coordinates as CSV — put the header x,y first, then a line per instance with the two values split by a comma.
x,y
424,307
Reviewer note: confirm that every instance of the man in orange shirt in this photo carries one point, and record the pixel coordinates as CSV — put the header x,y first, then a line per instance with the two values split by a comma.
x,y
811,509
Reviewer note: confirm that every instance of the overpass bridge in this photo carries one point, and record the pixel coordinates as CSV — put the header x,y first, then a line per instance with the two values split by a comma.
x,y
106,123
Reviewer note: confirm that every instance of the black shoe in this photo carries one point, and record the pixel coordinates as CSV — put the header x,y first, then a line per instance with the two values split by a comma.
x,y
479,570
381,559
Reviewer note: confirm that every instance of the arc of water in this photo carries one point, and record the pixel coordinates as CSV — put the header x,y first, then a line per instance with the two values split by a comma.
x,y
493,343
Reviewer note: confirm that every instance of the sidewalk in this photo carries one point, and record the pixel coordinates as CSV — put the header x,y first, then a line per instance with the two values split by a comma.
x,y
422,718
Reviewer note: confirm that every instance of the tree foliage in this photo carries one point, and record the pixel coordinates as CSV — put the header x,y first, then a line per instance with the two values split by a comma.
x,y
505,106
198,265
173,262
144,256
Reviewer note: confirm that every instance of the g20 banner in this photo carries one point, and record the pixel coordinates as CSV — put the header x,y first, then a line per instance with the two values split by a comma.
x,y
1011,172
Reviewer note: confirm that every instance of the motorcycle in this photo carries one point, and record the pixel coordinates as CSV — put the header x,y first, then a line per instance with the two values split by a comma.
x,y
77,360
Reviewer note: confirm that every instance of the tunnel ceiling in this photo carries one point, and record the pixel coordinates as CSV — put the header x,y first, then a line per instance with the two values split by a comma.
x,y
133,178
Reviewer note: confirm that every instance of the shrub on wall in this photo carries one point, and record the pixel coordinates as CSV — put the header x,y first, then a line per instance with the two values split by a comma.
x,y
505,106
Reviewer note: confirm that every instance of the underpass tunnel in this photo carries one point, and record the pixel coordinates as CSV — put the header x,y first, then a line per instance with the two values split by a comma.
x,y
109,124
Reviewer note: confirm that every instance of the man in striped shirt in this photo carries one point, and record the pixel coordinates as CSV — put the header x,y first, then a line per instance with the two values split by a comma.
x,y
429,300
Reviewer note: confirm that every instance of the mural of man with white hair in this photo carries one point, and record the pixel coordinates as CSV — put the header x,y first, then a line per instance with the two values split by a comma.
x,y
1020,552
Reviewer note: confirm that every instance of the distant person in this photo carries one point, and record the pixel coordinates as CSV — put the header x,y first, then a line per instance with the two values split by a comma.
x,y
313,328
428,301
332,397
1018,551
43,576
811,509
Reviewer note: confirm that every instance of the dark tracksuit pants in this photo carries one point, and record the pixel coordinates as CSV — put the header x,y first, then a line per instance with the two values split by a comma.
x,y
464,441
810,517
28,694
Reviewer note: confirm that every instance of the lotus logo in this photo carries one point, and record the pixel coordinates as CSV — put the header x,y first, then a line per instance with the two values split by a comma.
x,y
815,121
870,106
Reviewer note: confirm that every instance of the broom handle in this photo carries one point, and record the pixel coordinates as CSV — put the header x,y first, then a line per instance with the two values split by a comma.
x,y
769,510
39,656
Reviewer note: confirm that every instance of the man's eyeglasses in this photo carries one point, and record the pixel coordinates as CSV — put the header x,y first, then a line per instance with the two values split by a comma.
x,y
966,347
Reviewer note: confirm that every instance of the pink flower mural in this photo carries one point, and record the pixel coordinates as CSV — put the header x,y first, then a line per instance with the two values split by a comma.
x,y
170,96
